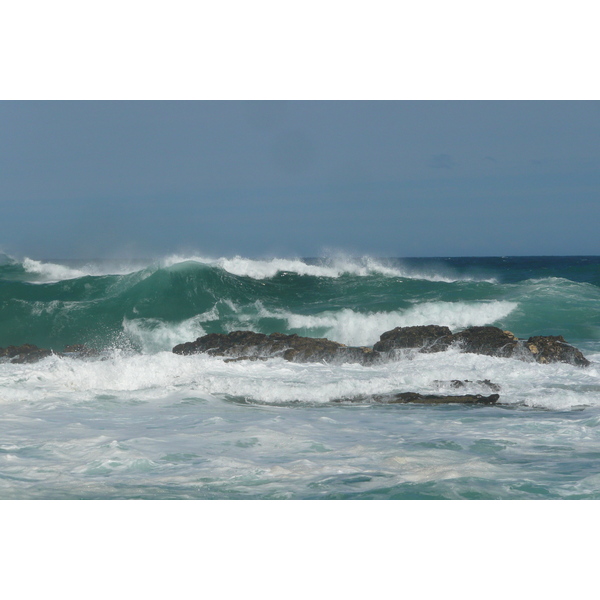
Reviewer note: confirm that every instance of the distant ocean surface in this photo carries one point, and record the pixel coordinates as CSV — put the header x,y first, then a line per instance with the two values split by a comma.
x,y
138,421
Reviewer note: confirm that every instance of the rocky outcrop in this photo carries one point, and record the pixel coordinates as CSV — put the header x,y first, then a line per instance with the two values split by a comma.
x,y
491,341
26,353
487,340
434,338
295,348
554,348
428,338
29,353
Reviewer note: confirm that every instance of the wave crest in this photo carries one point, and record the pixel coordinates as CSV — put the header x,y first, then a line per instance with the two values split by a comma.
x,y
333,267
363,329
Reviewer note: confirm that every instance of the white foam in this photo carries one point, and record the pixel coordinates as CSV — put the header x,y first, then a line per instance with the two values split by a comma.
x,y
48,272
363,329
334,267
153,378
154,335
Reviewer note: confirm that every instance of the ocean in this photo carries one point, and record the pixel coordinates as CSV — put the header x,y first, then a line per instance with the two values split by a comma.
x,y
137,421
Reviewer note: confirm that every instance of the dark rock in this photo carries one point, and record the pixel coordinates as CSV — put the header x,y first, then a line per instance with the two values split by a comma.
x,y
26,353
427,338
414,397
490,341
554,348
435,399
247,344
487,340
29,353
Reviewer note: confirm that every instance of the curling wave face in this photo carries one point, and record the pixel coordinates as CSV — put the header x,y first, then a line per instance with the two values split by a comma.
x,y
150,307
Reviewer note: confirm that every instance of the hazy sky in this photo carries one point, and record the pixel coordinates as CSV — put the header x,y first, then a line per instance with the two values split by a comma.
x,y
137,179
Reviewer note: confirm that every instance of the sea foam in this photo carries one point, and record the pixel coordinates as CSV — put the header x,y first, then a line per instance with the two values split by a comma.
x,y
333,267
363,329
49,272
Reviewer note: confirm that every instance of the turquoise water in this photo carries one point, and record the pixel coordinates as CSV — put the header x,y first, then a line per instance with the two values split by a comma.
x,y
140,422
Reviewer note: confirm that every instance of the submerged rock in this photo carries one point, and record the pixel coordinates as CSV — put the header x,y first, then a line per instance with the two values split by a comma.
x,y
435,399
295,348
414,397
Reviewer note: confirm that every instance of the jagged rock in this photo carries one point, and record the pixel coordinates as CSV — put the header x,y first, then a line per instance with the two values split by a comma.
x,y
554,348
435,338
241,344
26,353
487,340
490,341
427,338
29,353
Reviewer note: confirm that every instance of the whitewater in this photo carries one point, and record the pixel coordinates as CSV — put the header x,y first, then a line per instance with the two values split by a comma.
x,y
136,420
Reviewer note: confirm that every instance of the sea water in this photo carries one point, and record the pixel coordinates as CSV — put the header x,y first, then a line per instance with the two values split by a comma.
x,y
137,421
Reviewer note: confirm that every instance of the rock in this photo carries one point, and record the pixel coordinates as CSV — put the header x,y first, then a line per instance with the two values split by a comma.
x,y
29,353
414,397
435,338
295,348
26,353
427,338
435,399
487,340
554,348
490,341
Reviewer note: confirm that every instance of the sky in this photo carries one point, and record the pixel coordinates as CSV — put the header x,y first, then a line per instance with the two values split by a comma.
x,y
92,179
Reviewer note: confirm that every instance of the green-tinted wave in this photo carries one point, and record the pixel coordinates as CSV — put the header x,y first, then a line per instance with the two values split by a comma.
x,y
190,298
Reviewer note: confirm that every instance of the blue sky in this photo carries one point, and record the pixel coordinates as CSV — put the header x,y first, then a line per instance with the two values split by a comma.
x,y
392,178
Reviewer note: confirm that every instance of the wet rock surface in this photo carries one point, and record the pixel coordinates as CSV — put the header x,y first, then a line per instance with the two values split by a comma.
x,y
414,397
30,353
428,338
26,353
443,399
554,348
488,340
247,344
